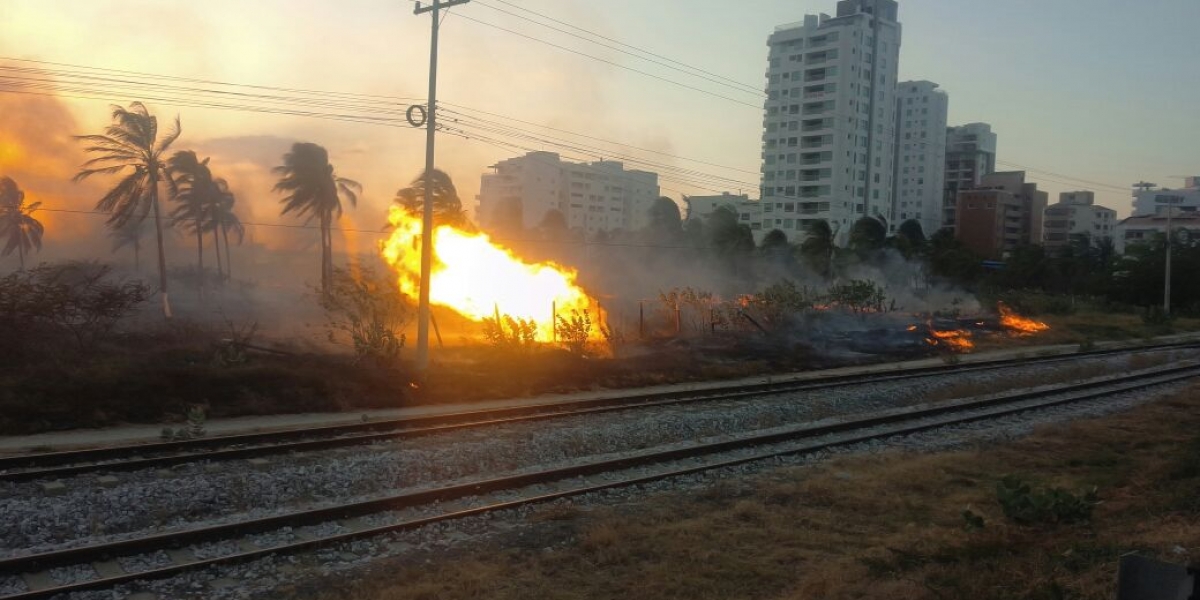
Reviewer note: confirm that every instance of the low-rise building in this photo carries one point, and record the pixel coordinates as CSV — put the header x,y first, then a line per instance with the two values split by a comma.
x,y
988,221
1146,228
1000,214
1185,199
1075,214
592,197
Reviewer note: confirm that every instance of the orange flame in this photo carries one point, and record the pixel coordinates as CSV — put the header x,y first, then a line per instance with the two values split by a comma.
x,y
477,278
957,340
1017,323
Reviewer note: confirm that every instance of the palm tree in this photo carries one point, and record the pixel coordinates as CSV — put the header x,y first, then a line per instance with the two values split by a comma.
x,y
192,188
315,191
130,145
228,221
18,228
447,207
129,235
818,247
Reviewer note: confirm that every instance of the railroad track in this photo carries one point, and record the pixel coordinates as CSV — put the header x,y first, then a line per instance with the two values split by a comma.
x,y
167,454
632,468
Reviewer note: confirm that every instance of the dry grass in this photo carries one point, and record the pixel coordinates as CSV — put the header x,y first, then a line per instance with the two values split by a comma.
x,y
857,527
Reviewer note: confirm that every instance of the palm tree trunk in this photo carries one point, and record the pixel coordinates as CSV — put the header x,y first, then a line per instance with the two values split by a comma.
x,y
228,256
21,251
162,253
137,254
200,260
326,255
217,248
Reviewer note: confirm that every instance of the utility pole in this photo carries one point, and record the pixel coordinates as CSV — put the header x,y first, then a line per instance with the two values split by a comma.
x,y
423,315
1167,278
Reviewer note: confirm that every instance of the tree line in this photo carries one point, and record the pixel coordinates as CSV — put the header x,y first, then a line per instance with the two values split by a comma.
x,y
201,204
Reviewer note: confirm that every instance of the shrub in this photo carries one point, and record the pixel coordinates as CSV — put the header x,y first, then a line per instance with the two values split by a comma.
x,y
76,301
574,331
368,310
858,296
510,333
1026,506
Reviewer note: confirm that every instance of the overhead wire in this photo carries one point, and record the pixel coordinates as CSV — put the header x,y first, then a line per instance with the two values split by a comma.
x,y
740,87
755,88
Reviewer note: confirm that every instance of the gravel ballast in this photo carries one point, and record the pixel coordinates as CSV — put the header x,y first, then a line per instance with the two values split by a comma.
x,y
194,495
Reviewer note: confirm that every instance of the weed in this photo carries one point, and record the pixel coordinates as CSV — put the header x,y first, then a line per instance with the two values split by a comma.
x,y
511,333
1026,506
573,331
972,521
371,311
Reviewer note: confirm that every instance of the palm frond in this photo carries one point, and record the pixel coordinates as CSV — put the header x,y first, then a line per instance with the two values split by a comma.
x,y
172,135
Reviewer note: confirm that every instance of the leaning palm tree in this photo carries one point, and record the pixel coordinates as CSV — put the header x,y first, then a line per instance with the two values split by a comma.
x,y
19,230
194,194
314,191
131,146
447,207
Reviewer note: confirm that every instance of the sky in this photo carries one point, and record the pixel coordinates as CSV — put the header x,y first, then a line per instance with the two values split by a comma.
x,y
1094,94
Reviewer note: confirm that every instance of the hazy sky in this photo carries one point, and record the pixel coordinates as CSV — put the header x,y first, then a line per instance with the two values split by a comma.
x,y
1101,90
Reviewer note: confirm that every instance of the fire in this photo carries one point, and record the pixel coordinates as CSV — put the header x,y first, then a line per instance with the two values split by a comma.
x,y
477,278
957,340
1017,323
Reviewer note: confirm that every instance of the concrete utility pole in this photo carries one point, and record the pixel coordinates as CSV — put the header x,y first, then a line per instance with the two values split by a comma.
x,y
1167,278
423,315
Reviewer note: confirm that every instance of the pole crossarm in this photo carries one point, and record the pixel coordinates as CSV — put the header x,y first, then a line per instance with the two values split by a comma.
x,y
437,5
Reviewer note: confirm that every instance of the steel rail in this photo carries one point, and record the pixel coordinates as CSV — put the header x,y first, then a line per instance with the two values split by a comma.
x,y
133,457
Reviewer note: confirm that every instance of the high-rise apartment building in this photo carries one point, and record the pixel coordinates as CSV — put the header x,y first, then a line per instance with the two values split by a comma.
x,y
920,170
970,154
592,197
829,139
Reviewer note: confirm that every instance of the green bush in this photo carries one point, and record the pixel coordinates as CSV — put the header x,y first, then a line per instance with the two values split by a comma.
x,y
1025,505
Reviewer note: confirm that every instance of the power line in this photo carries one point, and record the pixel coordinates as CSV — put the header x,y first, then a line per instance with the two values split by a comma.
x,y
105,84
599,153
1076,179
740,87
594,138
609,62
618,42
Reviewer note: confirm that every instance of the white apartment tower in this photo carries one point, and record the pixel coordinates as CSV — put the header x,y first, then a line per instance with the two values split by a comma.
x,y
829,140
592,197
920,155
970,154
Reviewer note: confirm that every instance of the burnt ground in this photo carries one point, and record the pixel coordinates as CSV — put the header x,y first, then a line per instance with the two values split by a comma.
x,y
154,377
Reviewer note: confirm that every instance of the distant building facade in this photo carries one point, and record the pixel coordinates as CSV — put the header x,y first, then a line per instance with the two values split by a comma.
x,y
1146,228
592,197
1002,213
1185,199
920,169
970,154
828,140
1075,214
